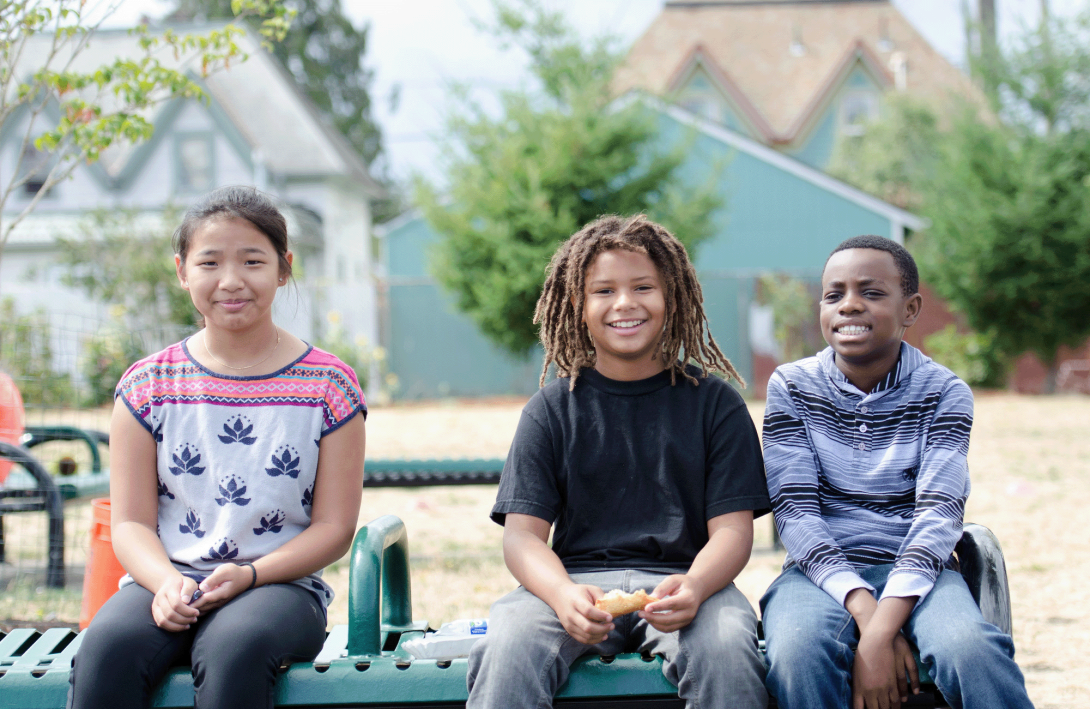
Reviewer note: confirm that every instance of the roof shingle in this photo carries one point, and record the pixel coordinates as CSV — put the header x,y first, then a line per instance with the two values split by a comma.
x,y
751,42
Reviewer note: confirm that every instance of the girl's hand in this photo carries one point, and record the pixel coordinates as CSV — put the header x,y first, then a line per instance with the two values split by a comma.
x,y
226,582
681,596
574,605
170,608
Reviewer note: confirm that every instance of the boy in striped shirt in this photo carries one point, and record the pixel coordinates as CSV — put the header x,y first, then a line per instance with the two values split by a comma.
x,y
865,452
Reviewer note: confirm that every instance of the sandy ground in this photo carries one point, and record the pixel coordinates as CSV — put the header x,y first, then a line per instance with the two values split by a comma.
x,y
1030,463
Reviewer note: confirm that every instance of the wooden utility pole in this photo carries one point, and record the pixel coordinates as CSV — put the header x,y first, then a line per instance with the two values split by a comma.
x,y
988,33
988,37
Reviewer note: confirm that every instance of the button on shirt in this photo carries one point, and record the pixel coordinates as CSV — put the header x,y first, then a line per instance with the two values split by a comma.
x,y
897,497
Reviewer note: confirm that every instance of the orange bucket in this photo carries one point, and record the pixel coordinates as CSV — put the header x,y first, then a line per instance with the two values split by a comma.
x,y
103,569
11,419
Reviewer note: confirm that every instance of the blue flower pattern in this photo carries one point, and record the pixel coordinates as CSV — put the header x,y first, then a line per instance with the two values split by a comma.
x,y
231,492
192,524
272,522
285,461
225,550
322,589
250,431
238,432
185,461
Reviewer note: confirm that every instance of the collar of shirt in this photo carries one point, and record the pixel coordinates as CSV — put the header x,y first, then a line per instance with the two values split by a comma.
x,y
908,360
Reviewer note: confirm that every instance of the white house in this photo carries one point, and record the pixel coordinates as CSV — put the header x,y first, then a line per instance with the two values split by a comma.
x,y
257,129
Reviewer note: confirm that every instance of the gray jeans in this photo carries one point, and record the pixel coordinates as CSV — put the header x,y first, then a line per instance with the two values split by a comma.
x,y
526,655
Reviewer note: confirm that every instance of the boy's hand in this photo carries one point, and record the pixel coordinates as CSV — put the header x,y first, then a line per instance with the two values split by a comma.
x,y
902,661
874,675
681,598
170,608
574,605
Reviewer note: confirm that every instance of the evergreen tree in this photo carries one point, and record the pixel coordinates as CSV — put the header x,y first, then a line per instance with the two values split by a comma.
x,y
1006,193
554,158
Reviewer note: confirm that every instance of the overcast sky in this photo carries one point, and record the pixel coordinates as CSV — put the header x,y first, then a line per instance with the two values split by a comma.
x,y
423,45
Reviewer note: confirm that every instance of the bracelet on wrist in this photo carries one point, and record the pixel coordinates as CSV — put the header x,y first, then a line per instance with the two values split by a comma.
x,y
253,571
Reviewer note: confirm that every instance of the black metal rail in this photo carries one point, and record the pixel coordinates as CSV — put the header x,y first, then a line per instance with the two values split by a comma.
x,y
45,497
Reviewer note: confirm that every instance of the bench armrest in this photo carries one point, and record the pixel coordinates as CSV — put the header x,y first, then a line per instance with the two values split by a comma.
x,y
985,572
379,579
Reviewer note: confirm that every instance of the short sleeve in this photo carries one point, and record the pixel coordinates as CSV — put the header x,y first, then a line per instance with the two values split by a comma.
x,y
528,484
735,466
343,398
137,389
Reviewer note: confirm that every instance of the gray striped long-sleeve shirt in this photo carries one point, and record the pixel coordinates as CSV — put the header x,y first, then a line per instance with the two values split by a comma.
x,y
859,479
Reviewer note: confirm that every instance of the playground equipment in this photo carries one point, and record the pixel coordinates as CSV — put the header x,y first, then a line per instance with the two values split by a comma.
x,y
364,664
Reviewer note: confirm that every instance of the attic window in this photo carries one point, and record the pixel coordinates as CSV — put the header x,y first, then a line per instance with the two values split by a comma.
x,y
857,109
701,97
35,168
704,106
195,168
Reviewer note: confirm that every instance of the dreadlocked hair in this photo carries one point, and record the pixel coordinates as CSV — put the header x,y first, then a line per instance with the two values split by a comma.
x,y
559,310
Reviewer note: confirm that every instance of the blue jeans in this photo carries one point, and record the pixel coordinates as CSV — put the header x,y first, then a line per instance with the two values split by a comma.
x,y
525,657
810,641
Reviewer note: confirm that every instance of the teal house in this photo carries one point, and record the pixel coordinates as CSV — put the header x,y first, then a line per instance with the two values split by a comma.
x,y
761,92
780,215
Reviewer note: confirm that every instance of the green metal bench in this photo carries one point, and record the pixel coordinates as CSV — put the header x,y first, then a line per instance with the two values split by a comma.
x,y
363,664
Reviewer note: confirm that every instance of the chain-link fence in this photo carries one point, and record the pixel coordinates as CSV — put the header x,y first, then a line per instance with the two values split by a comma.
x,y
62,368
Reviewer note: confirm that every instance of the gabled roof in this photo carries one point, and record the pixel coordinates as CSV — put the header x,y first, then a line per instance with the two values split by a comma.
x,y
777,159
786,55
259,98
700,57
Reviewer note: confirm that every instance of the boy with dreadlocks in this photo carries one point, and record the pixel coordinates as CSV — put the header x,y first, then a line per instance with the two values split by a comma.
x,y
651,470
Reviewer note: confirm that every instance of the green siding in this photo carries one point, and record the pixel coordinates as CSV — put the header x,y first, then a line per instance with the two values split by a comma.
x,y
407,249
817,151
436,351
726,303
773,220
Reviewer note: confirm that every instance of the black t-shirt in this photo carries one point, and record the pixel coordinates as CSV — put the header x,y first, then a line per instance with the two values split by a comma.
x,y
631,472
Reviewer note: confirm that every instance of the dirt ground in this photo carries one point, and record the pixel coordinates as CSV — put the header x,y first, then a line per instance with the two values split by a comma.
x,y
1030,464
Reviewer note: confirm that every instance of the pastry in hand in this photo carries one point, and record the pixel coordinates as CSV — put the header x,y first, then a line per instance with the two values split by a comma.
x,y
618,602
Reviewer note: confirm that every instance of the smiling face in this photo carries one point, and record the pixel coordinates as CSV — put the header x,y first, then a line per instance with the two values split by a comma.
x,y
864,313
624,308
232,272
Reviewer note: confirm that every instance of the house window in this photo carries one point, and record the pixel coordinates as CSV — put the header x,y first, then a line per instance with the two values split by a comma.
x,y
857,109
700,96
703,106
35,168
195,165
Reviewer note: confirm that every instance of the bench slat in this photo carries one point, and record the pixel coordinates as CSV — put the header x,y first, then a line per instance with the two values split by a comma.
x,y
42,648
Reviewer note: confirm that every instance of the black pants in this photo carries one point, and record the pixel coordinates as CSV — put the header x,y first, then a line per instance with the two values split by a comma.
x,y
235,650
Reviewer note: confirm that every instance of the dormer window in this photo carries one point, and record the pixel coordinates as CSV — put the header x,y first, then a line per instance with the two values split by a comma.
x,y
858,108
700,97
35,168
195,166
